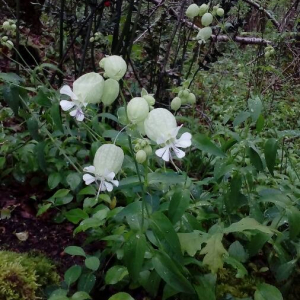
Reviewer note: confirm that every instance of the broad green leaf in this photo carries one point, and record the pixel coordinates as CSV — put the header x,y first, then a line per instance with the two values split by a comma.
x,y
237,251
191,242
241,118
255,107
73,180
56,117
75,250
260,123
2,162
255,159
81,296
267,292
206,288
40,155
150,281
53,180
286,270
61,193
87,224
10,78
86,282
11,95
203,143
121,296
293,215
92,263
164,232
248,224
179,203
115,274
170,273
59,294
214,252
134,252
72,274
33,128
76,215
43,209
89,190
270,152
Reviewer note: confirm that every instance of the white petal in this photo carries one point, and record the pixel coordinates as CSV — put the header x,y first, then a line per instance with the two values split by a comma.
x,y
66,105
184,141
66,90
73,112
164,153
179,153
90,169
102,187
115,182
88,179
79,115
108,186
161,140
110,176
175,131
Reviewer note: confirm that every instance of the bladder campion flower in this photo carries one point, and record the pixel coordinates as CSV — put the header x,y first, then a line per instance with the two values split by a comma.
x,y
110,92
137,110
192,11
86,89
161,127
107,163
114,66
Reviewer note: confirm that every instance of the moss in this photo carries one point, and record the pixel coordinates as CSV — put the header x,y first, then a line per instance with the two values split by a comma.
x,y
22,276
238,287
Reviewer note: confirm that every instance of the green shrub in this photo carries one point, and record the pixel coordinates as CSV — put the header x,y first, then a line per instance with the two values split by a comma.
x,y
22,276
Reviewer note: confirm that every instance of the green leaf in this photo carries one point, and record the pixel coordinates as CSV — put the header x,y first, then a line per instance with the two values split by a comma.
x,y
240,118
248,224
89,190
293,215
42,98
92,263
115,274
170,273
43,209
40,155
191,242
87,224
260,124
61,193
11,78
59,294
206,288
76,215
33,128
255,107
86,282
56,117
121,296
179,203
214,252
241,270
72,274
270,152
2,162
75,250
203,143
109,116
166,235
12,97
255,159
53,180
134,252
286,270
165,178
237,251
81,296
266,292
73,180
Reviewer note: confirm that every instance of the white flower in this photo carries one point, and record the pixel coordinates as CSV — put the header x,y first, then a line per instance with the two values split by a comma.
x,y
107,163
161,127
86,89
137,110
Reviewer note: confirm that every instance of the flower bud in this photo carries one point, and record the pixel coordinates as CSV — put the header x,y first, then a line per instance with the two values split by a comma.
x,y
137,110
92,40
185,93
220,12
141,156
203,9
9,45
267,54
192,11
5,38
89,88
13,26
110,91
150,99
114,66
240,74
148,150
137,147
108,158
159,122
176,103
6,25
191,98
206,19
204,34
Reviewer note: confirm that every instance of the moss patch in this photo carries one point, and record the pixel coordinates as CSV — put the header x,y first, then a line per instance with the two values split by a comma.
x,y
23,276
